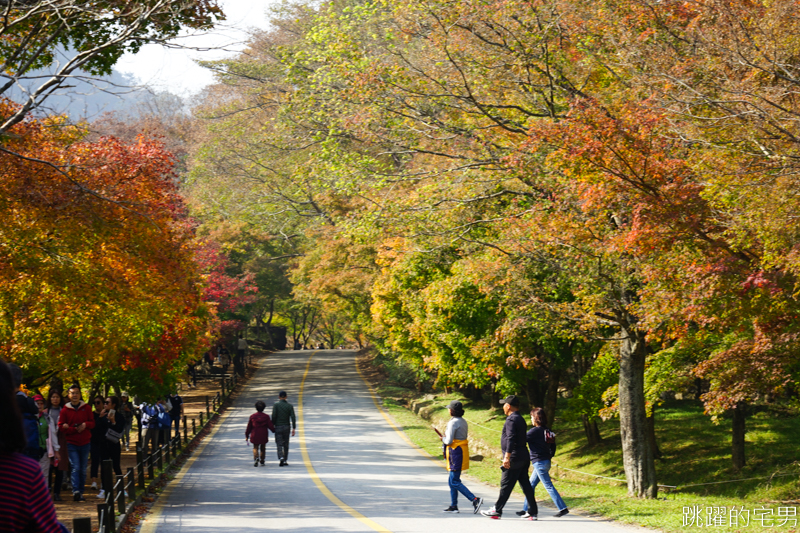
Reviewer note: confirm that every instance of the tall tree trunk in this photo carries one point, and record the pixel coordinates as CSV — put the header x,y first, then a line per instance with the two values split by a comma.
x,y
591,430
651,434
737,441
268,324
551,398
495,394
637,457
533,391
57,384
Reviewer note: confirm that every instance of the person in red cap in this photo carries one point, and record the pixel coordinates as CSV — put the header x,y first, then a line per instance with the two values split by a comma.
x,y
44,434
516,461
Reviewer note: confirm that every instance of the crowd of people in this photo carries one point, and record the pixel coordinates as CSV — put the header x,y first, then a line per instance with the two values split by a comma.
x,y
66,435
218,359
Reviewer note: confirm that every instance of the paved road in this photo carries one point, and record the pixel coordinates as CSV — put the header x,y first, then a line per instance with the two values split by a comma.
x,y
350,470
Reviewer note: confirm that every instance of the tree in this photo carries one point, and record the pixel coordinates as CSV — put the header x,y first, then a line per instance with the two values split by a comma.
x,y
97,276
77,38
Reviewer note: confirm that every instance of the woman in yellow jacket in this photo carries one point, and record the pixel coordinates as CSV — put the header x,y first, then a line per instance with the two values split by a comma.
x,y
456,453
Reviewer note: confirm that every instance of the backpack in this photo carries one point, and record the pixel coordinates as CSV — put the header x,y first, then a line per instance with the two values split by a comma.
x,y
164,420
44,431
30,423
549,437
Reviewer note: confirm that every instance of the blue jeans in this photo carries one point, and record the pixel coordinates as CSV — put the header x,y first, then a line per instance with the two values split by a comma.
x,y
456,486
78,459
541,472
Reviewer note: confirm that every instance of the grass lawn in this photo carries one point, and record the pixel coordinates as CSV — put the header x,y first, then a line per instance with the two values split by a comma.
x,y
695,453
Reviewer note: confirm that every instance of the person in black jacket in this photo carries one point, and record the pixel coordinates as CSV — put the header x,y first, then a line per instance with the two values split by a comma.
x,y
542,444
111,447
515,461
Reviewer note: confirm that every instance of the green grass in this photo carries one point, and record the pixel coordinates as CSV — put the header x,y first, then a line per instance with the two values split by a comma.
x,y
694,450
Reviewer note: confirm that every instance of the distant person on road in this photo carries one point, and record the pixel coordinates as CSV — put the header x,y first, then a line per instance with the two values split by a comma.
x,y
126,409
516,461
176,413
224,359
25,503
542,444
257,432
282,416
241,353
456,452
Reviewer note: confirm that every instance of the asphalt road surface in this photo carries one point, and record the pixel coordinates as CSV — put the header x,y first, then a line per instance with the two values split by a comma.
x,y
349,468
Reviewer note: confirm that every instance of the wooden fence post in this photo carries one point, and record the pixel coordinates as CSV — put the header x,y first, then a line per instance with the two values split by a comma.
x,y
208,409
140,457
101,516
107,481
82,525
194,427
132,483
121,494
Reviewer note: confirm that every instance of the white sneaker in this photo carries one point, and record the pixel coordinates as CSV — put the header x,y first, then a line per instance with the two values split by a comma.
x,y
101,495
491,513
94,485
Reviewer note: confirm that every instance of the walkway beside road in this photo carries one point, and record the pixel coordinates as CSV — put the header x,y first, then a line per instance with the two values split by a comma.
x,y
350,470
194,404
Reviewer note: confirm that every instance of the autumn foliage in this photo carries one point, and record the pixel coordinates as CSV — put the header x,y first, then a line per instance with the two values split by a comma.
x,y
537,183
97,271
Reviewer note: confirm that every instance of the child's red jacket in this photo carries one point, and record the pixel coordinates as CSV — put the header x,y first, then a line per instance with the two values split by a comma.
x,y
257,428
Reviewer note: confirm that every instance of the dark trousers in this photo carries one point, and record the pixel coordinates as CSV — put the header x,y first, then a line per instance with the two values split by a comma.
x,y
282,441
260,448
518,473
114,452
59,478
96,456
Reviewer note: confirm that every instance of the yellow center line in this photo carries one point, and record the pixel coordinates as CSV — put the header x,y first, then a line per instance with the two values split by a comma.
x,y
313,474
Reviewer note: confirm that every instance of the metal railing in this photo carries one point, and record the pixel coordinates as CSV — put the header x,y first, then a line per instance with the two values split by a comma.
x,y
128,489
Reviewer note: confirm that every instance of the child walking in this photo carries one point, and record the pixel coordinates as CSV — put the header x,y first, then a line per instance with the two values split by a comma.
x,y
257,432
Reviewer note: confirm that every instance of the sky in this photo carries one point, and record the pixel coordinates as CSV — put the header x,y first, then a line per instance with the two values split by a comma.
x,y
173,69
